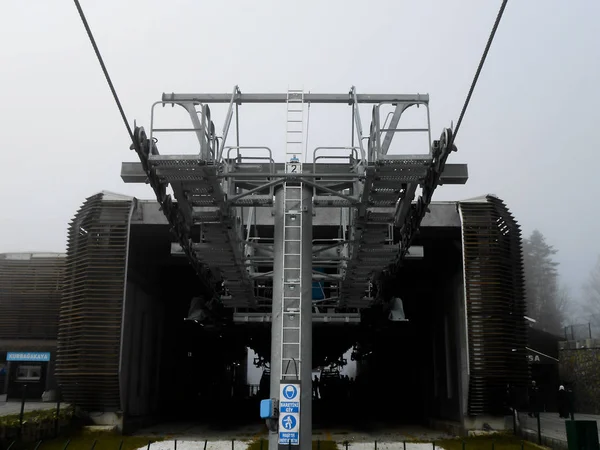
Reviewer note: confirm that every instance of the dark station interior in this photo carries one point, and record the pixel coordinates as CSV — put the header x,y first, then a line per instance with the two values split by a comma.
x,y
192,371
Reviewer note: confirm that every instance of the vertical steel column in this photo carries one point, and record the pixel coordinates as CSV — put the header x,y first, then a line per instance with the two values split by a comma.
x,y
277,307
306,325
305,364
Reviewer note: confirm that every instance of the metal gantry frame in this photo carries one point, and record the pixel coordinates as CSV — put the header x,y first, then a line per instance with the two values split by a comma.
x,y
221,188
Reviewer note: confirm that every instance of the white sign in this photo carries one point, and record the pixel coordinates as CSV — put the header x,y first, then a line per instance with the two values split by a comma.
x,y
293,167
289,413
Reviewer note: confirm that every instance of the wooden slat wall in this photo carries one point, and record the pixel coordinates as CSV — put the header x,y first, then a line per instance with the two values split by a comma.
x,y
89,335
496,306
30,294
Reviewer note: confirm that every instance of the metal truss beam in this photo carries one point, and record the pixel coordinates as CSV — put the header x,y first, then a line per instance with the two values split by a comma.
x,y
347,99
133,172
342,318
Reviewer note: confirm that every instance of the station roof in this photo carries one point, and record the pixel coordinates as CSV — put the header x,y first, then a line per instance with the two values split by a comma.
x,y
25,256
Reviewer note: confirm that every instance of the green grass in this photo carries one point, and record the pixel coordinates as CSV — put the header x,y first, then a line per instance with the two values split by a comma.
x,y
84,441
112,441
499,442
40,415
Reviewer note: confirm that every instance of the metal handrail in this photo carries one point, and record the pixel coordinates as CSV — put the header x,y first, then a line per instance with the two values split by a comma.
x,y
379,131
243,147
202,129
358,124
354,154
227,124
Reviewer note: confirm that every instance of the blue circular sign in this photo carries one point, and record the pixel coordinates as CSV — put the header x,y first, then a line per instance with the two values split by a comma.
x,y
290,392
288,422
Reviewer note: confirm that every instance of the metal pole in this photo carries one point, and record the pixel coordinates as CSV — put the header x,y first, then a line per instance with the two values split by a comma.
x,y
306,325
590,328
277,305
237,125
22,410
352,143
539,428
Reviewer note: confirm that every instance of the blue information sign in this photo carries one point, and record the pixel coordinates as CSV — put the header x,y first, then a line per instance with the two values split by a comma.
x,y
289,413
28,356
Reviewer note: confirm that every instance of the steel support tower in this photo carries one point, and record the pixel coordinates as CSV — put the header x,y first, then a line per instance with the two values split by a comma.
x,y
291,335
218,192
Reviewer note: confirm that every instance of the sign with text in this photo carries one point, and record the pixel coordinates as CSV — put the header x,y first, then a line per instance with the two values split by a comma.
x,y
28,356
289,413
294,166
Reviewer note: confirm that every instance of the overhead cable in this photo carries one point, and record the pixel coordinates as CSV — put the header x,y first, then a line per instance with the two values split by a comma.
x,y
481,62
101,61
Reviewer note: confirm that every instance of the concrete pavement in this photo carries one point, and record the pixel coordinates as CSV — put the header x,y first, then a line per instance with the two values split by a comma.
x,y
8,408
553,428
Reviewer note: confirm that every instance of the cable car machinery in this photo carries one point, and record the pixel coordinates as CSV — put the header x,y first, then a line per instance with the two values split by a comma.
x,y
211,189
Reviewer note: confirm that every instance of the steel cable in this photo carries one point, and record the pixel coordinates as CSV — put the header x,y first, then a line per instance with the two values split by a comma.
x,y
481,62
101,61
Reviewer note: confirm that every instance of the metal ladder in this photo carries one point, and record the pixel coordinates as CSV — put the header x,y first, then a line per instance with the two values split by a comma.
x,y
291,333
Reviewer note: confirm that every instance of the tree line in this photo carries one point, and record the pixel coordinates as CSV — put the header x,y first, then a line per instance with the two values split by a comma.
x,y
549,302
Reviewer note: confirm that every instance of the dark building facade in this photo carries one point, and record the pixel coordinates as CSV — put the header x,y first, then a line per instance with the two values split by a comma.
x,y
115,323
30,298
542,355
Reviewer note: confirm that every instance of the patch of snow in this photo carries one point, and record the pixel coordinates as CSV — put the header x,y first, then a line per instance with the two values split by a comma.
x,y
243,445
197,445
391,446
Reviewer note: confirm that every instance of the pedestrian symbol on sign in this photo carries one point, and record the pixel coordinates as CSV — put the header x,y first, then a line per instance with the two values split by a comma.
x,y
289,422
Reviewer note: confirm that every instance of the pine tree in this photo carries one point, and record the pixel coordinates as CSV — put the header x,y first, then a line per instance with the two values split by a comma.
x,y
545,301
592,295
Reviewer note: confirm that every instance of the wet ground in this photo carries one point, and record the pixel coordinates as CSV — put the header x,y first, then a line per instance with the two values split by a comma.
x,y
383,434
553,426
9,408
242,445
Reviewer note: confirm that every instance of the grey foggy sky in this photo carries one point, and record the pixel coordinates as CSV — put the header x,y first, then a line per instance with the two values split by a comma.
x,y
530,135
